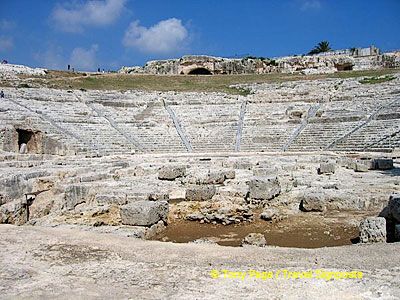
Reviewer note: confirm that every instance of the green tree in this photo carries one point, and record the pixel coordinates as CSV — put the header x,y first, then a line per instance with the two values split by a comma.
x,y
321,47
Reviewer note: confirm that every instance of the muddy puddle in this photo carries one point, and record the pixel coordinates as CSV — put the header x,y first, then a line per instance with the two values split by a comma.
x,y
311,230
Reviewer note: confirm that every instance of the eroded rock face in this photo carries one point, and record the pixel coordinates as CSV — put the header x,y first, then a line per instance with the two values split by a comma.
x,y
373,230
222,212
74,195
254,239
200,192
171,172
13,213
144,213
264,188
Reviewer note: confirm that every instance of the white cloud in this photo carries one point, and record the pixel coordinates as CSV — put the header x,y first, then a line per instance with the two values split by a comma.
x,y
52,58
6,44
6,24
310,5
84,59
93,13
164,37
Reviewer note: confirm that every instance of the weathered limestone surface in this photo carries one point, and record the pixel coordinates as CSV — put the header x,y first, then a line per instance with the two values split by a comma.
x,y
74,195
254,239
171,172
326,168
54,252
312,201
200,192
373,230
11,70
144,213
13,213
269,214
264,188
323,63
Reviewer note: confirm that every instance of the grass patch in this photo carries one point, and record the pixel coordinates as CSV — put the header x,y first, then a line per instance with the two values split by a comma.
x,y
181,83
377,79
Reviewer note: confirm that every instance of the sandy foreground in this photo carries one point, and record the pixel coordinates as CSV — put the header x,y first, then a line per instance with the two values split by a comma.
x,y
44,262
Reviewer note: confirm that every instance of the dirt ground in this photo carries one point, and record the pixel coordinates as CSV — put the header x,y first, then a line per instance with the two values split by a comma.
x,y
44,262
302,230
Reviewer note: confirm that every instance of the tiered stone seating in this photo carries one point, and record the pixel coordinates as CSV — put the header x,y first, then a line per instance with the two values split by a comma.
x,y
341,115
383,123
338,119
266,127
210,127
148,124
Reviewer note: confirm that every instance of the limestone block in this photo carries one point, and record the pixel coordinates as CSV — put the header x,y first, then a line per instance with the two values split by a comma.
x,y
326,168
177,195
171,172
42,205
312,201
200,192
158,197
394,207
397,233
269,214
254,239
144,213
242,165
264,188
216,177
383,163
360,167
204,241
373,230
74,195
230,174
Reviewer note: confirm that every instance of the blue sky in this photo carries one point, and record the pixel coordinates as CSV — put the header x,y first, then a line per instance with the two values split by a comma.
x,y
113,33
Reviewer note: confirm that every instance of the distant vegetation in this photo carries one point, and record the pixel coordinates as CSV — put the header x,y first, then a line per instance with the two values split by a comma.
x,y
376,79
320,48
255,57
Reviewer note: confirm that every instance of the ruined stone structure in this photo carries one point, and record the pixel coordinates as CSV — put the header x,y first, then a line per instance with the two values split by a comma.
x,y
205,65
329,62
333,114
308,163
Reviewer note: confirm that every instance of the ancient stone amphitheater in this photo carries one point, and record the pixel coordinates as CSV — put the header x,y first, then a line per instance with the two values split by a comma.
x,y
307,164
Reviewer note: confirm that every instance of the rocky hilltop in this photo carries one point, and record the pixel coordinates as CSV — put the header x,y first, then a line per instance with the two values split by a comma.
x,y
330,62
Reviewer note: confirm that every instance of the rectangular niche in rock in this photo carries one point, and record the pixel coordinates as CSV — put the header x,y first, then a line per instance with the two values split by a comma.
x,y
29,141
